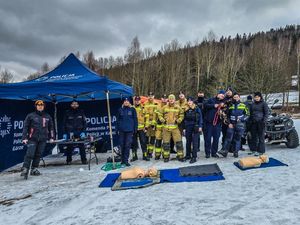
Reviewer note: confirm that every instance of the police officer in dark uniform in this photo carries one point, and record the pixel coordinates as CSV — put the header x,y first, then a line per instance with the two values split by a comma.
x,y
38,128
74,126
192,128
127,125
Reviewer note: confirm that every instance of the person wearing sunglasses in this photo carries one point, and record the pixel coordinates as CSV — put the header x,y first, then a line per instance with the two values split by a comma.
x,y
38,128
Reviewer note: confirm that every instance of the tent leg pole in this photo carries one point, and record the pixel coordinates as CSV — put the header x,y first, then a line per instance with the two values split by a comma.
x,y
55,124
110,130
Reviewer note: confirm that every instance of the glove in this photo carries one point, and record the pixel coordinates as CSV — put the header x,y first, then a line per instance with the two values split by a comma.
x,y
65,136
82,135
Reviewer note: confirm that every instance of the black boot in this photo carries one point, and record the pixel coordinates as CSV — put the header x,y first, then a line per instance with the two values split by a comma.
x,y
187,157
24,172
193,160
223,153
35,172
166,160
145,156
134,157
207,156
180,159
235,155
157,157
215,156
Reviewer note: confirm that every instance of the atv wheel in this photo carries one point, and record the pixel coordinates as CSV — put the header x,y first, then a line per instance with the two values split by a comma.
x,y
292,139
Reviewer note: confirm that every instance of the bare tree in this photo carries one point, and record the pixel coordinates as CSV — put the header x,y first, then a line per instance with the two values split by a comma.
x,y
133,56
6,77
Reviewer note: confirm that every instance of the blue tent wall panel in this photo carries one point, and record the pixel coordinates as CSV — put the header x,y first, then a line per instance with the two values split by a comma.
x,y
16,112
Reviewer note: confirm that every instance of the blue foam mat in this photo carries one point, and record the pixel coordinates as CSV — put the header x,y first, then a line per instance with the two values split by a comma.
x,y
173,176
272,162
167,175
138,182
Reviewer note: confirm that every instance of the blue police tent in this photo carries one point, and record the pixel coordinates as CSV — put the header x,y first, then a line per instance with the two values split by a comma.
x,y
71,80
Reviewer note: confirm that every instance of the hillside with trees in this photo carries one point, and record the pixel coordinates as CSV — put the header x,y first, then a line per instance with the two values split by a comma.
x,y
264,61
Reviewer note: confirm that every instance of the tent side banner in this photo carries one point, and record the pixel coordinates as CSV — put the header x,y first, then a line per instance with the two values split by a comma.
x,y
12,116
13,113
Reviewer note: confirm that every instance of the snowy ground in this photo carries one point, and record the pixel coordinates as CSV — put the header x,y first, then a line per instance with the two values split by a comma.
x,y
66,195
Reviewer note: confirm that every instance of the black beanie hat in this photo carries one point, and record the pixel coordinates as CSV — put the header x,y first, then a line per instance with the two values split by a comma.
x,y
258,94
249,97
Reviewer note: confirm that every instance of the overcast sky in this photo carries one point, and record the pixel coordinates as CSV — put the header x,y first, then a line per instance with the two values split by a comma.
x,y
36,31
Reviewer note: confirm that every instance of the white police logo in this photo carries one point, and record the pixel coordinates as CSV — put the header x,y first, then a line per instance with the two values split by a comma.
x,y
43,78
59,77
5,125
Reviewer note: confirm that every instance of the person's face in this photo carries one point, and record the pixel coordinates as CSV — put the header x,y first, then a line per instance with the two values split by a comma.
x,y
137,102
74,105
257,98
190,103
164,100
171,101
40,107
200,94
181,96
151,97
126,103
220,96
229,93
236,98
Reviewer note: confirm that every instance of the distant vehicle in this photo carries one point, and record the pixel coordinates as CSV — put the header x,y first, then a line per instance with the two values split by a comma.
x,y
280,129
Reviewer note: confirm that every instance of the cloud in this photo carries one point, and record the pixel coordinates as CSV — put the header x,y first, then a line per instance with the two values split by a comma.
x,y
44,31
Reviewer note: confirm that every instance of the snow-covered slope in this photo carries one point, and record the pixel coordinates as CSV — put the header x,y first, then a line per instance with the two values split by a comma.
x,y
66,195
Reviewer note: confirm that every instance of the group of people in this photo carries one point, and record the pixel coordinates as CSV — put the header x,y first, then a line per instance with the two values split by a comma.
x,y
160,126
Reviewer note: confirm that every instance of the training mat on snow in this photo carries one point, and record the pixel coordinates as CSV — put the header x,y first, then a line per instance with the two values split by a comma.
x,y
173,176
167,175
109,180
200,170
272,163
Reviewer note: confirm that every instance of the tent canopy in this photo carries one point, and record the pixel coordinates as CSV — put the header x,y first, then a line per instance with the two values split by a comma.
x,y
68,81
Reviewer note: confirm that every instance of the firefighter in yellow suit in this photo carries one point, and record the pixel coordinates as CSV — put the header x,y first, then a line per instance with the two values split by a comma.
x,y
171,116
159,128
140,133
182,102
150,108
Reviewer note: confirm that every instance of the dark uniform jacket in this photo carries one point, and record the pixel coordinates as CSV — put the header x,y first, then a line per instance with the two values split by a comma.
x,y
259,111
38,126
238,112
127,119
210,110
193,117
74,121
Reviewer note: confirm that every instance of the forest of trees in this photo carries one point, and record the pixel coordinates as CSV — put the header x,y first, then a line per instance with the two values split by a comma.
x,y
264,61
